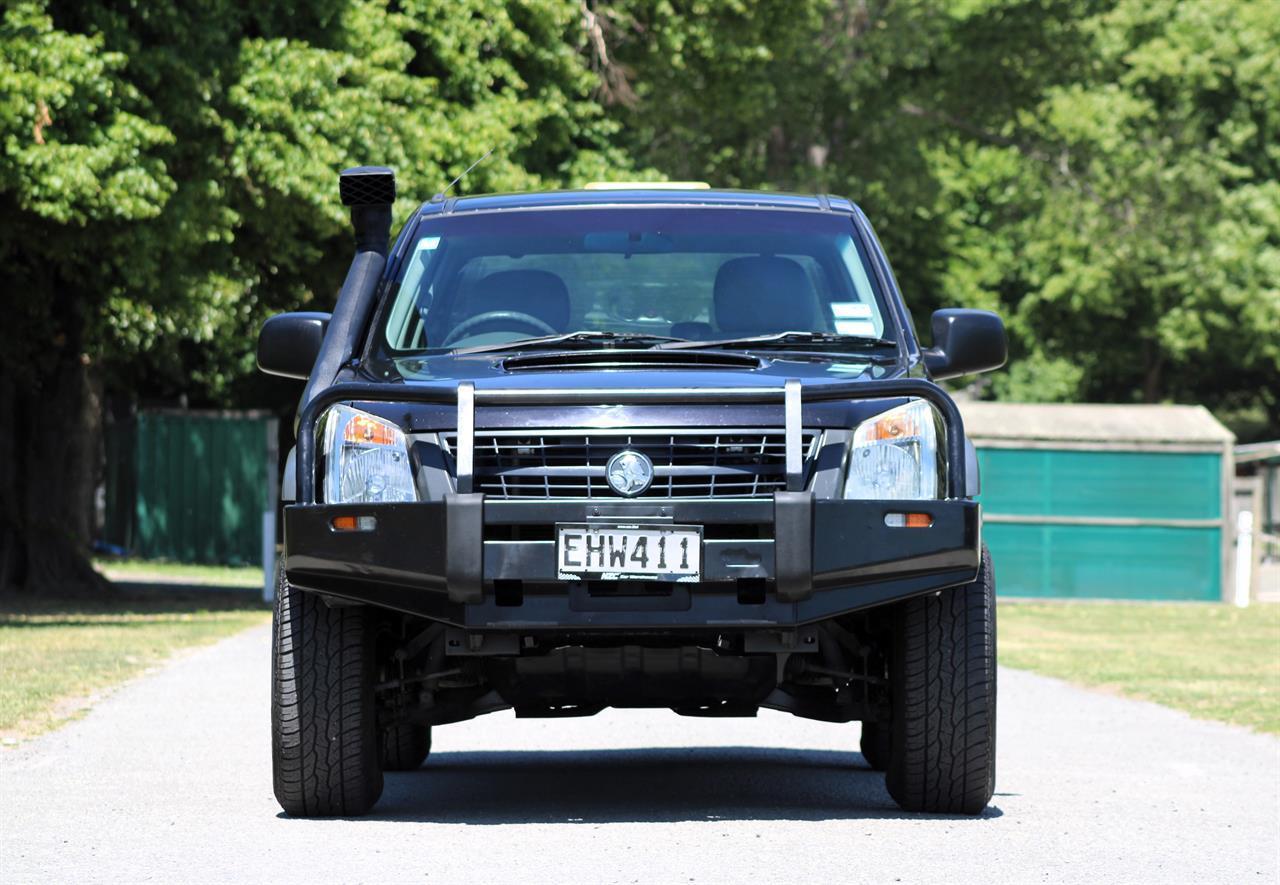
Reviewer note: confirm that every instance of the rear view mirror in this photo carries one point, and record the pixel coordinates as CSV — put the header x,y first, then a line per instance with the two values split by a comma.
x,y
965,341
621,242
290,342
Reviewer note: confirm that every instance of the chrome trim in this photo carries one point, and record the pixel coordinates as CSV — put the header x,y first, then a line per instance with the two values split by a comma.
x,y
548,444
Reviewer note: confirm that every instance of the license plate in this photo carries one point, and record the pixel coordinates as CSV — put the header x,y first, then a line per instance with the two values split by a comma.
x,y
623,552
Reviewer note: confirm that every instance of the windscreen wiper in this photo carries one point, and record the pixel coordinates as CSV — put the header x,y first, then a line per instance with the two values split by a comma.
x,y
787,340
611,339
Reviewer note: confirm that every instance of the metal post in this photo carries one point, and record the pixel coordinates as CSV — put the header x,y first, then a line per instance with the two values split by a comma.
x,y
1244,557
793,415
269,513
466,436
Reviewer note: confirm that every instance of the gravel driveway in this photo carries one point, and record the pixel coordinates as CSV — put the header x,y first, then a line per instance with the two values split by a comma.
x,y
169,780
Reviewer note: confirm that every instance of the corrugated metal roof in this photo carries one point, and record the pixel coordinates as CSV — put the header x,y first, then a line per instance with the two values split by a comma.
x,y
1091,422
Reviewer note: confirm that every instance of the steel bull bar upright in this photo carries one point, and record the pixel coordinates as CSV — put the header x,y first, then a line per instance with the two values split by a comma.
x,y
457,568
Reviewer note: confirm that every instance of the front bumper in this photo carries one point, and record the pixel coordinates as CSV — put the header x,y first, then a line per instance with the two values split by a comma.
x,y
813,559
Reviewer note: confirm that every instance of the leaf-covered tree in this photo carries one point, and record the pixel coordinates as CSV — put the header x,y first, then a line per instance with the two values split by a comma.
x,y
1130,230
1103,172
168,179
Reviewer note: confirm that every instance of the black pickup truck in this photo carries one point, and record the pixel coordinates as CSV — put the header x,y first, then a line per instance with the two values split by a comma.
x,y
642,446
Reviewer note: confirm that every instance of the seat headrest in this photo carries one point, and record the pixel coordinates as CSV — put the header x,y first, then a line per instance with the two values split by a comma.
x,y
762,294
539,293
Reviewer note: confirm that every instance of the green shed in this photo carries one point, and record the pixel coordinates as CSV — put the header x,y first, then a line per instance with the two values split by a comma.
x,y
192,486
1105,501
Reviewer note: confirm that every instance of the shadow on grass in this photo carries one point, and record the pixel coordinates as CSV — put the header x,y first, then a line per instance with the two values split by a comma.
x,y
654,785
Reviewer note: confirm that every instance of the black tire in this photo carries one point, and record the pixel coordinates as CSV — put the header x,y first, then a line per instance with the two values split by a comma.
x,y
943,678
876,745
405,747
324,739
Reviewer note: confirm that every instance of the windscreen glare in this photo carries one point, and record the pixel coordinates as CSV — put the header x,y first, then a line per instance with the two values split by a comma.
x,y
686,273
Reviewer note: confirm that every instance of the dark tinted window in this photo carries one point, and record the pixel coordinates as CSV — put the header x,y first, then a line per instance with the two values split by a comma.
x,y
696,273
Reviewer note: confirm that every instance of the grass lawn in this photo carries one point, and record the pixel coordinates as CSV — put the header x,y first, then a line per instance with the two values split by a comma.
x,y
1213,661
57,655
153,572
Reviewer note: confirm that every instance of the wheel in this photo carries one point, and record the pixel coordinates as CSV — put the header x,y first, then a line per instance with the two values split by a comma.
x,y
324,739
943,680
497,316
405,747
875,745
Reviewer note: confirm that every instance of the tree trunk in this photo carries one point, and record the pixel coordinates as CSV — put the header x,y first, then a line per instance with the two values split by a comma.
x,y
8,482
50,444
1152,376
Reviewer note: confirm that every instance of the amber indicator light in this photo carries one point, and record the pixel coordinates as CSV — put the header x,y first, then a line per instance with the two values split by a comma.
x,y
908,520
353,523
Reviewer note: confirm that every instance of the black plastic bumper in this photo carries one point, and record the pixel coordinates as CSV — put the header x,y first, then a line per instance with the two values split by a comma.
x,y
813,559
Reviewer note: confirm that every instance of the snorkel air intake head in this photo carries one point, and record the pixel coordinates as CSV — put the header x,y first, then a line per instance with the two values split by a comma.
x,y
369,191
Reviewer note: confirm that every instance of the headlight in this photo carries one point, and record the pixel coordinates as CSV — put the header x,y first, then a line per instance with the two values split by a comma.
x,y
366,459
895,454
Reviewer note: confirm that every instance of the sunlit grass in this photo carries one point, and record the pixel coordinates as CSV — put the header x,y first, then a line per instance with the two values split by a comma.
x,y
1213,661
56,656
154,571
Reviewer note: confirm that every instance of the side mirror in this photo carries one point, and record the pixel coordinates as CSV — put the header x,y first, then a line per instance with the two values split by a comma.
x,y
965,342
290,342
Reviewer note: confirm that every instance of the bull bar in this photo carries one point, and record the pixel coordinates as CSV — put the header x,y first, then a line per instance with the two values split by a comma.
x,y
810,549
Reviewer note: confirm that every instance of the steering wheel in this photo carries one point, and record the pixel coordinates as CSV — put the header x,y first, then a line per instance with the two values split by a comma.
x,y
497,316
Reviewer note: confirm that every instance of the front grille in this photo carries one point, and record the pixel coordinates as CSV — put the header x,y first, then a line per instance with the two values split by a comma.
x,y
687,464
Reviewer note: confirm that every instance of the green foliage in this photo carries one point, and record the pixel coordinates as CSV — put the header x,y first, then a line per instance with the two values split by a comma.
x,y
168,180
831,95
1103,172
1132,228
174,169
104,169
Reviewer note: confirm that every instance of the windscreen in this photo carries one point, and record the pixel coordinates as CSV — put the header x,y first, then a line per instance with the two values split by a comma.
x,y
688,273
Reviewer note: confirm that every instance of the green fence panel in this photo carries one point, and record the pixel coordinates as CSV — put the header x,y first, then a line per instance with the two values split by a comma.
x,y
201,487
1059,482
1053,548
120,481
1114,562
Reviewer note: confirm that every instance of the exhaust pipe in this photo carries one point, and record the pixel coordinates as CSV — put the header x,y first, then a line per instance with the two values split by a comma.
x,y
369,191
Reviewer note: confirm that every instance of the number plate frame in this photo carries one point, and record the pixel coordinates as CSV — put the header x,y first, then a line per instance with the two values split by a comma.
x,y
585,572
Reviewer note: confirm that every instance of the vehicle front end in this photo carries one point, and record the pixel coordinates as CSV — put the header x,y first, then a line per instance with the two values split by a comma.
x,y
635,451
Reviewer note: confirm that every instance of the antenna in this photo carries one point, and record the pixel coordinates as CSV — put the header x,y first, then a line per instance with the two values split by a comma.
x,y
439,198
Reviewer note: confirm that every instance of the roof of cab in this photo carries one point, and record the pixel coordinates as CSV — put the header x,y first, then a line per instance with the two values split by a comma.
x,y
639,196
